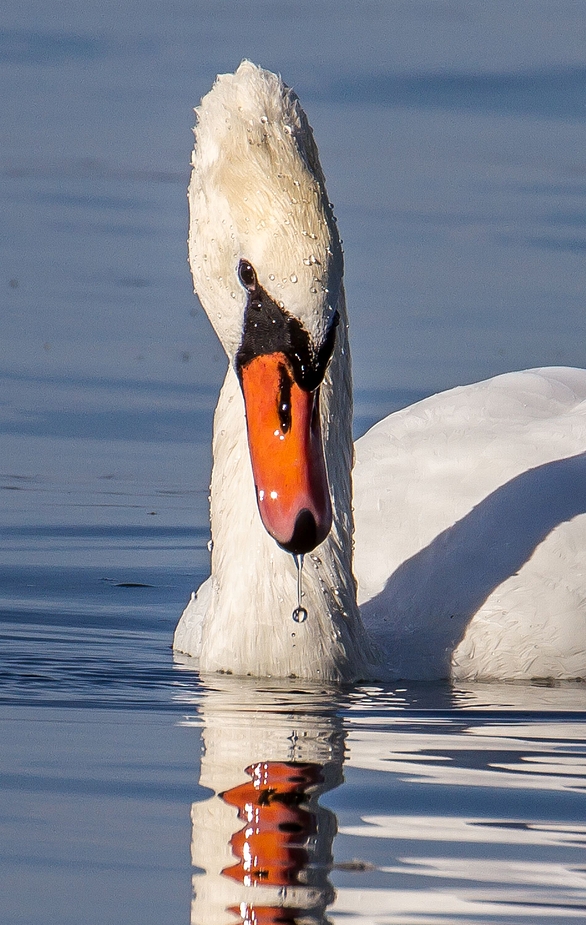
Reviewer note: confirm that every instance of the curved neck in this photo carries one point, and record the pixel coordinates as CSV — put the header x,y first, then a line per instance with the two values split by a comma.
x,y
249,627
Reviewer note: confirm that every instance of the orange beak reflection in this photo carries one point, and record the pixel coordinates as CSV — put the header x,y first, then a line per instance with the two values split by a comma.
x,y
284,439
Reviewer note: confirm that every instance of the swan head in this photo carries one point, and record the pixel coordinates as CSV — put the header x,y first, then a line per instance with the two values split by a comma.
x,y
267,266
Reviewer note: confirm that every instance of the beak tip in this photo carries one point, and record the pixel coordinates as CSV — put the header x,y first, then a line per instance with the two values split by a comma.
x,y
307,534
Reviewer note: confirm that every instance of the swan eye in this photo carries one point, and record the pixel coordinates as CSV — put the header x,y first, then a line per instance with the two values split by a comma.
x,y
246,275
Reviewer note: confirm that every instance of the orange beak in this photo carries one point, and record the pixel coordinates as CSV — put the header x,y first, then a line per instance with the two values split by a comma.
x,y
286,451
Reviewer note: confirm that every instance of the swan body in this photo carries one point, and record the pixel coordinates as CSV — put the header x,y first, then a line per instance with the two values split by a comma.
x,y
469,507
471,530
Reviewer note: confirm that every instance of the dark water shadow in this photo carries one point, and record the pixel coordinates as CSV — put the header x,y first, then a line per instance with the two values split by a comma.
x,y
37,47
449,580
555,93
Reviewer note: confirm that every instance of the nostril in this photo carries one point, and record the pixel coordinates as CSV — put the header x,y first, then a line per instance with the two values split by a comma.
x,y
284,400
305,535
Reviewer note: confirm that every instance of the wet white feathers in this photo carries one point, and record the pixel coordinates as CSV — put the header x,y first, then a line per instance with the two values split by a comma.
x,y
477,500
257,193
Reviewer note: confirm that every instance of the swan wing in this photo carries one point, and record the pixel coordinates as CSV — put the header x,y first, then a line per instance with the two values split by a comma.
x,y
470,529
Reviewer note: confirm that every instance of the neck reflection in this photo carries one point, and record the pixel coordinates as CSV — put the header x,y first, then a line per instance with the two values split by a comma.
x,y
263,842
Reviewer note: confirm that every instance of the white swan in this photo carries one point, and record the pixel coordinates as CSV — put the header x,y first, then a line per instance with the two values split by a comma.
x,y
469,507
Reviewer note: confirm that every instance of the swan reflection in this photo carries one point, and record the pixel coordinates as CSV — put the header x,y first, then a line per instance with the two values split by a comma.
x,y
262,841
445,812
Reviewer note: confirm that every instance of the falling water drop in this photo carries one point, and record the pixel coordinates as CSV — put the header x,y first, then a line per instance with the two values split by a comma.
x,y
300,613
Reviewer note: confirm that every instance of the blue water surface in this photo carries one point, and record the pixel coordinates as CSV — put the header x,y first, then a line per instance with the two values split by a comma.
x,y
453,137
